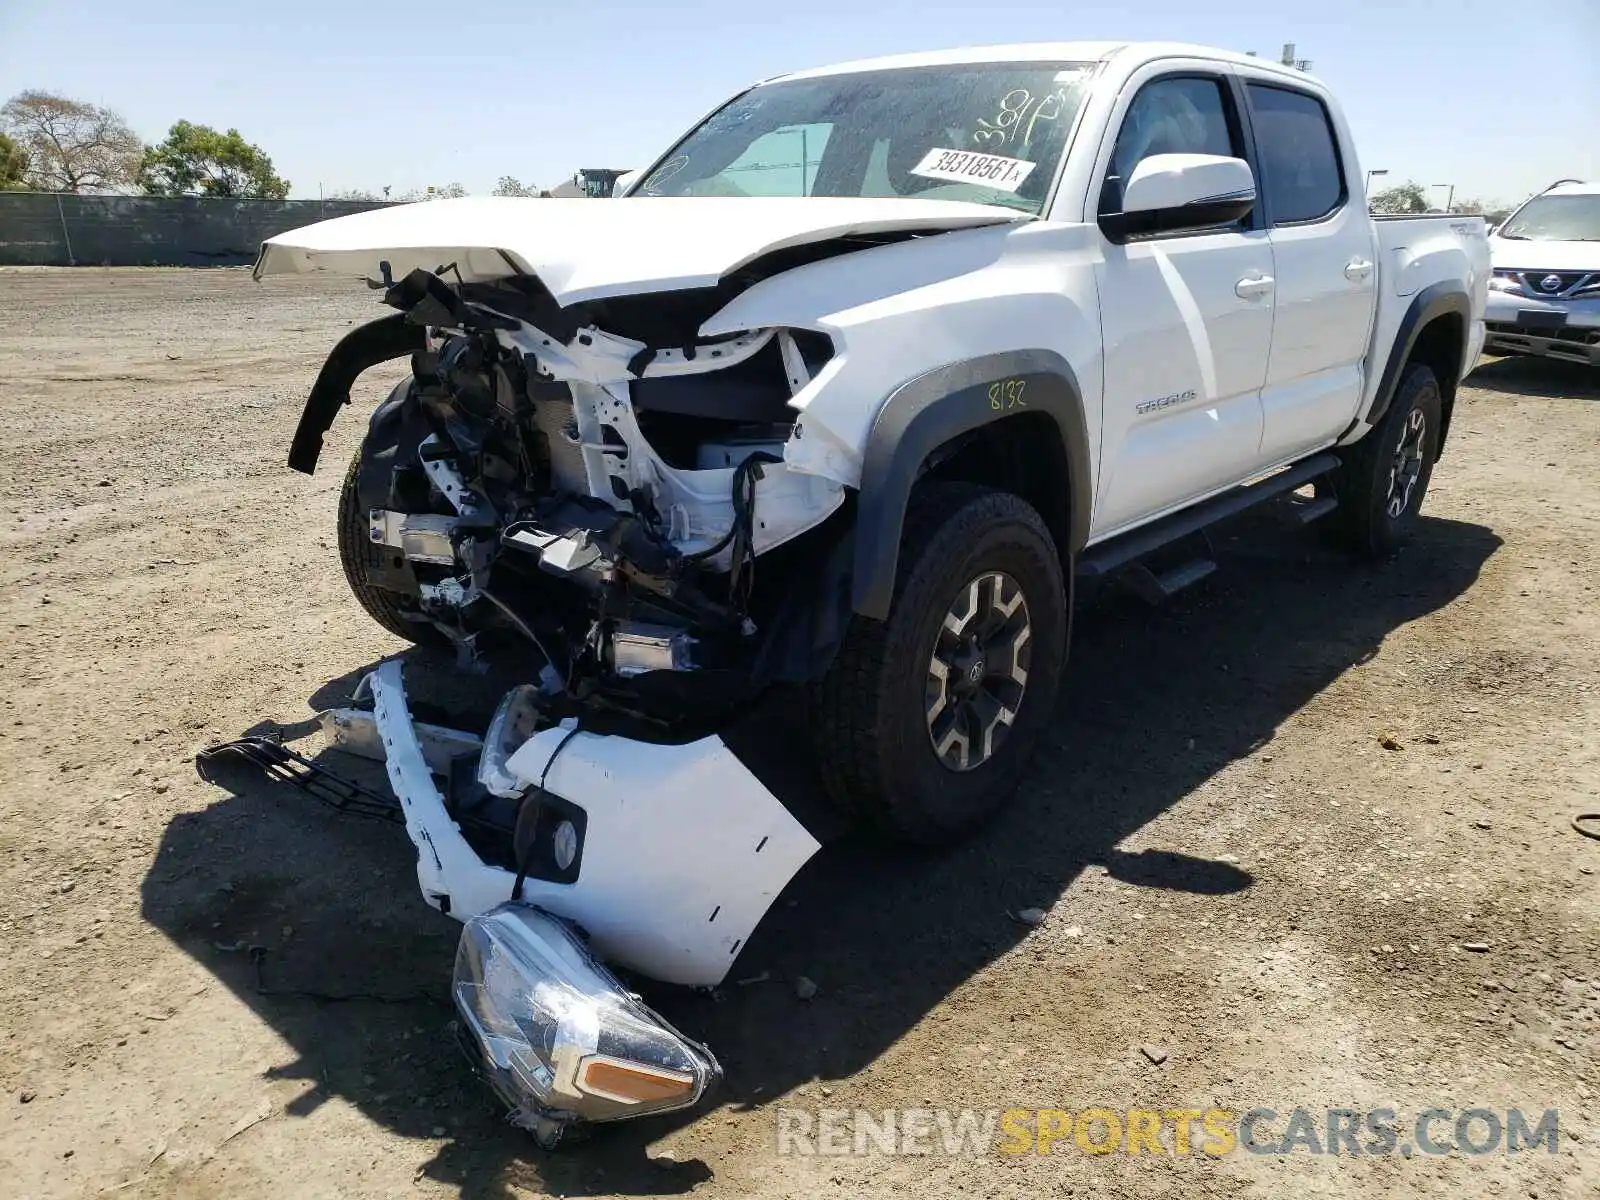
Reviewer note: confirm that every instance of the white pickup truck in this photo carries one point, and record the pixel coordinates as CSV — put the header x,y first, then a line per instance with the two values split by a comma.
x,y
844,391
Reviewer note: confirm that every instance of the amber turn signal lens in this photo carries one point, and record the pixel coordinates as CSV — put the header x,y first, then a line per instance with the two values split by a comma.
x,y
632,1083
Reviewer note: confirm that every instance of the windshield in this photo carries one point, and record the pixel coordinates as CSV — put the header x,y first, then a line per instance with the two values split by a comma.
x,y
989,133
1556,219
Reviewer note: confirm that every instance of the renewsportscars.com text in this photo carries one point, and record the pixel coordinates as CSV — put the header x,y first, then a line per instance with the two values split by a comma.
x,y
1177,1131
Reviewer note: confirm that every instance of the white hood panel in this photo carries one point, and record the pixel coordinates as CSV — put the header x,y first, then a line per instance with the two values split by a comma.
x,y
584,249
1513,254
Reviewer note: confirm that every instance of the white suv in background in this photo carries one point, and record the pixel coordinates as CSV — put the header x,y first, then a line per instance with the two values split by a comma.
x,y
1545,294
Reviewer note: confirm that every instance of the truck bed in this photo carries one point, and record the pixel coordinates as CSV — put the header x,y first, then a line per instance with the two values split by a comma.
x,y
1415,253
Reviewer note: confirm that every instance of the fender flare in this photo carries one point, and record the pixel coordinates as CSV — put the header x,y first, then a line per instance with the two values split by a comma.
x,y
363,347
925,413
1436,300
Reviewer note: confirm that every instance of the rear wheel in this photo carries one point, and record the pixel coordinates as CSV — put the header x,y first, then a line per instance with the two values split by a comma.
x,y
926,721
1384,476
356,550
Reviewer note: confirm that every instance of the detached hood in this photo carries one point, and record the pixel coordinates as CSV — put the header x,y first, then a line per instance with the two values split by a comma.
x,y
1518,254
583,249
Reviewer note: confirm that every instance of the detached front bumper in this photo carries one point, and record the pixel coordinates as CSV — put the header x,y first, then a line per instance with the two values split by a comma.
x,y
680,853
1565,329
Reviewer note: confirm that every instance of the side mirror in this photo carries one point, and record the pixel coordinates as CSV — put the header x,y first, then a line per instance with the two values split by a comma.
x,y
1168,193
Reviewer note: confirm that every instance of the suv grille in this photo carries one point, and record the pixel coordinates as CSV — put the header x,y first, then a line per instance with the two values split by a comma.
x,y
1566,282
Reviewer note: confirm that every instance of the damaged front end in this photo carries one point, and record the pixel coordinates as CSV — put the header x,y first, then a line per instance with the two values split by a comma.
x,y
594,451
592,506
599,503
582,483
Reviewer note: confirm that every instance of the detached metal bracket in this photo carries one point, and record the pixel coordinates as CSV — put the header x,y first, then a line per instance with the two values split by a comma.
x,y
279,763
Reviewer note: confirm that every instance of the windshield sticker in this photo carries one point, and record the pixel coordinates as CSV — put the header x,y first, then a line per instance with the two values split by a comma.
x,y
1008,125
963,166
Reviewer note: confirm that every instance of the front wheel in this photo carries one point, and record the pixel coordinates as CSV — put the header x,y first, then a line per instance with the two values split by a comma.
x,y
356,551
926,721
1384,476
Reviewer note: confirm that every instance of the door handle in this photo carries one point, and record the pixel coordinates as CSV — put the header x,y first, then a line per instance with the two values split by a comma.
x,y
1253,287
1357,269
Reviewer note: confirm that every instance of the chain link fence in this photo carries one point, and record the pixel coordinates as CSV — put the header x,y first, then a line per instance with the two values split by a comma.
x,y
50,229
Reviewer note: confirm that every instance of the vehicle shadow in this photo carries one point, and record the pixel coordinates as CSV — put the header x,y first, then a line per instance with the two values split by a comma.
x,y
354,969
1526,376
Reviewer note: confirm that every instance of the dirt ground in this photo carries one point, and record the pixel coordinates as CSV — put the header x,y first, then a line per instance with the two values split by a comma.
x,y
1235,872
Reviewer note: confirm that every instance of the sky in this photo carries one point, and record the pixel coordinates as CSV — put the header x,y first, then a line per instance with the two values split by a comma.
x,y
1496,97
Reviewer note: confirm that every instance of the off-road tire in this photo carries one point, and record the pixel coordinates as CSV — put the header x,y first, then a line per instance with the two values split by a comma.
x,y
1363,522
355,551
869,713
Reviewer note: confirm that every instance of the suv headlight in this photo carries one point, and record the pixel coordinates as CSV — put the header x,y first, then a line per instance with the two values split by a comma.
x,y
1505,281
558,1037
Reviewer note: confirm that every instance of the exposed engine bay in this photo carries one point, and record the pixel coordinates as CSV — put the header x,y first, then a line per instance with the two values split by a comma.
x,y
601,502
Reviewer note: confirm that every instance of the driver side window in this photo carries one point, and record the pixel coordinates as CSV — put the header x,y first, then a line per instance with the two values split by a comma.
x,y
1177,115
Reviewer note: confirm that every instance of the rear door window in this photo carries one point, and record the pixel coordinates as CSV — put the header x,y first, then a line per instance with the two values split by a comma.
x,y
1301,176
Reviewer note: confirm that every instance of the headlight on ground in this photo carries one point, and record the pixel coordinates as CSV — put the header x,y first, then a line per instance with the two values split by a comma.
x,y
558,1037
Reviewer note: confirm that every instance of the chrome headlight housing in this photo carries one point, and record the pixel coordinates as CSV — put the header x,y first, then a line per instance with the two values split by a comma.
x,y
558,1037
515,721
1505,281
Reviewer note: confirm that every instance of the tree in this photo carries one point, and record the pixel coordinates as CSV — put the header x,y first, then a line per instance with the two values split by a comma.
x,y
196,160
352,194
1492,211
13,165
71,146
1408,197
510,185
450,191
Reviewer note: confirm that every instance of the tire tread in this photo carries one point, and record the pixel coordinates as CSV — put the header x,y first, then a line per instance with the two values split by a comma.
x,y
848,706
1359,522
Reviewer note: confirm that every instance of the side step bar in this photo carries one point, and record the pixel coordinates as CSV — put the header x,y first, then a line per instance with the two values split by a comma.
x,y
1312,509
1121,552
1155,587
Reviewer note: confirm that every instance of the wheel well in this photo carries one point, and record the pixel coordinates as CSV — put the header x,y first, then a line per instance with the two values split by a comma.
x,y
1440,345
1022,454
1012,420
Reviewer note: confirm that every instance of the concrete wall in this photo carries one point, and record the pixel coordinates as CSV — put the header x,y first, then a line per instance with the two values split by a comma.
x,y
45,229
